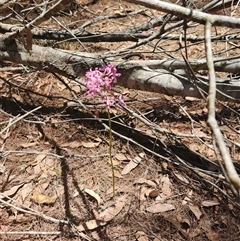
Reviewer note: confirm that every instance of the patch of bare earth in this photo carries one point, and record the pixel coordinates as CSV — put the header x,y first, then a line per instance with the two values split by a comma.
x,y
55,174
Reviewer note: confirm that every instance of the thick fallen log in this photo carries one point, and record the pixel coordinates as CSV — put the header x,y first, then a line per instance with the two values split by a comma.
x,y
154,76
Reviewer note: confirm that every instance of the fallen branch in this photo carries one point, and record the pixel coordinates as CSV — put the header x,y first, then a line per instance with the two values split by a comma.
x,y
231,173
135,74
190,14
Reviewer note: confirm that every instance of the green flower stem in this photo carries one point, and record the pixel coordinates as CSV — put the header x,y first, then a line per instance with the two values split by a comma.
x,y
110,151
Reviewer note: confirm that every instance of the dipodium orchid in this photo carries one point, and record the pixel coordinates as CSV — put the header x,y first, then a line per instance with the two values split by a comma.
x,y
99,83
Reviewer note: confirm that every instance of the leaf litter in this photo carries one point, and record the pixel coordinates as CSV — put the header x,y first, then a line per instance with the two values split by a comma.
x,y
104,217
133,164
138,180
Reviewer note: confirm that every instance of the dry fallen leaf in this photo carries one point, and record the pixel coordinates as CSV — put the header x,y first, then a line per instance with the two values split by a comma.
x,y
2,169
190,98
181,178
109,213
160,208
166,184
144,192
167,97
210,203
115,162
90,144
116,174
141,236
145,181
43,199
158,239
73,144
12,191
97,139
121,157
132,164
94,195
196,211
212,235
194,232
25,145
91,224
26,190
40,188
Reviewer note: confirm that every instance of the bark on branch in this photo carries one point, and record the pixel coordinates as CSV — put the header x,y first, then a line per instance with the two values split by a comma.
x,y
186,13
153,76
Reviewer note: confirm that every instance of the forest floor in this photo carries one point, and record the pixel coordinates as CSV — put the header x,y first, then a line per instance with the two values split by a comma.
x,y
55,174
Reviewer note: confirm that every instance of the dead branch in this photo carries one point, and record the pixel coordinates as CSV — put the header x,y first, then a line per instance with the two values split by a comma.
x,y
190,14
231,172
18,118
45,15
134,75
228,65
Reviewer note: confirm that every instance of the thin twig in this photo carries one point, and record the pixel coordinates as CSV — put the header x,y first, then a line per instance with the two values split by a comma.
x,y
17,119
31,233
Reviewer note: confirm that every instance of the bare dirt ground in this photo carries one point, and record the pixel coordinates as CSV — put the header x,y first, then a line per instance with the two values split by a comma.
x,y
55,175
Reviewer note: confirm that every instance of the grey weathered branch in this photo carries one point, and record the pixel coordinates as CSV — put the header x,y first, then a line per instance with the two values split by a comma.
x,y
66,63
190,14
160,81
228,65
154,76
231,173
126,35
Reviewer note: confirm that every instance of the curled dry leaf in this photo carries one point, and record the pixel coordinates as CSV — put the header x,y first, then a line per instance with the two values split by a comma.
x,y
185,224
43,199
160,208
94,195
210,203
97,139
